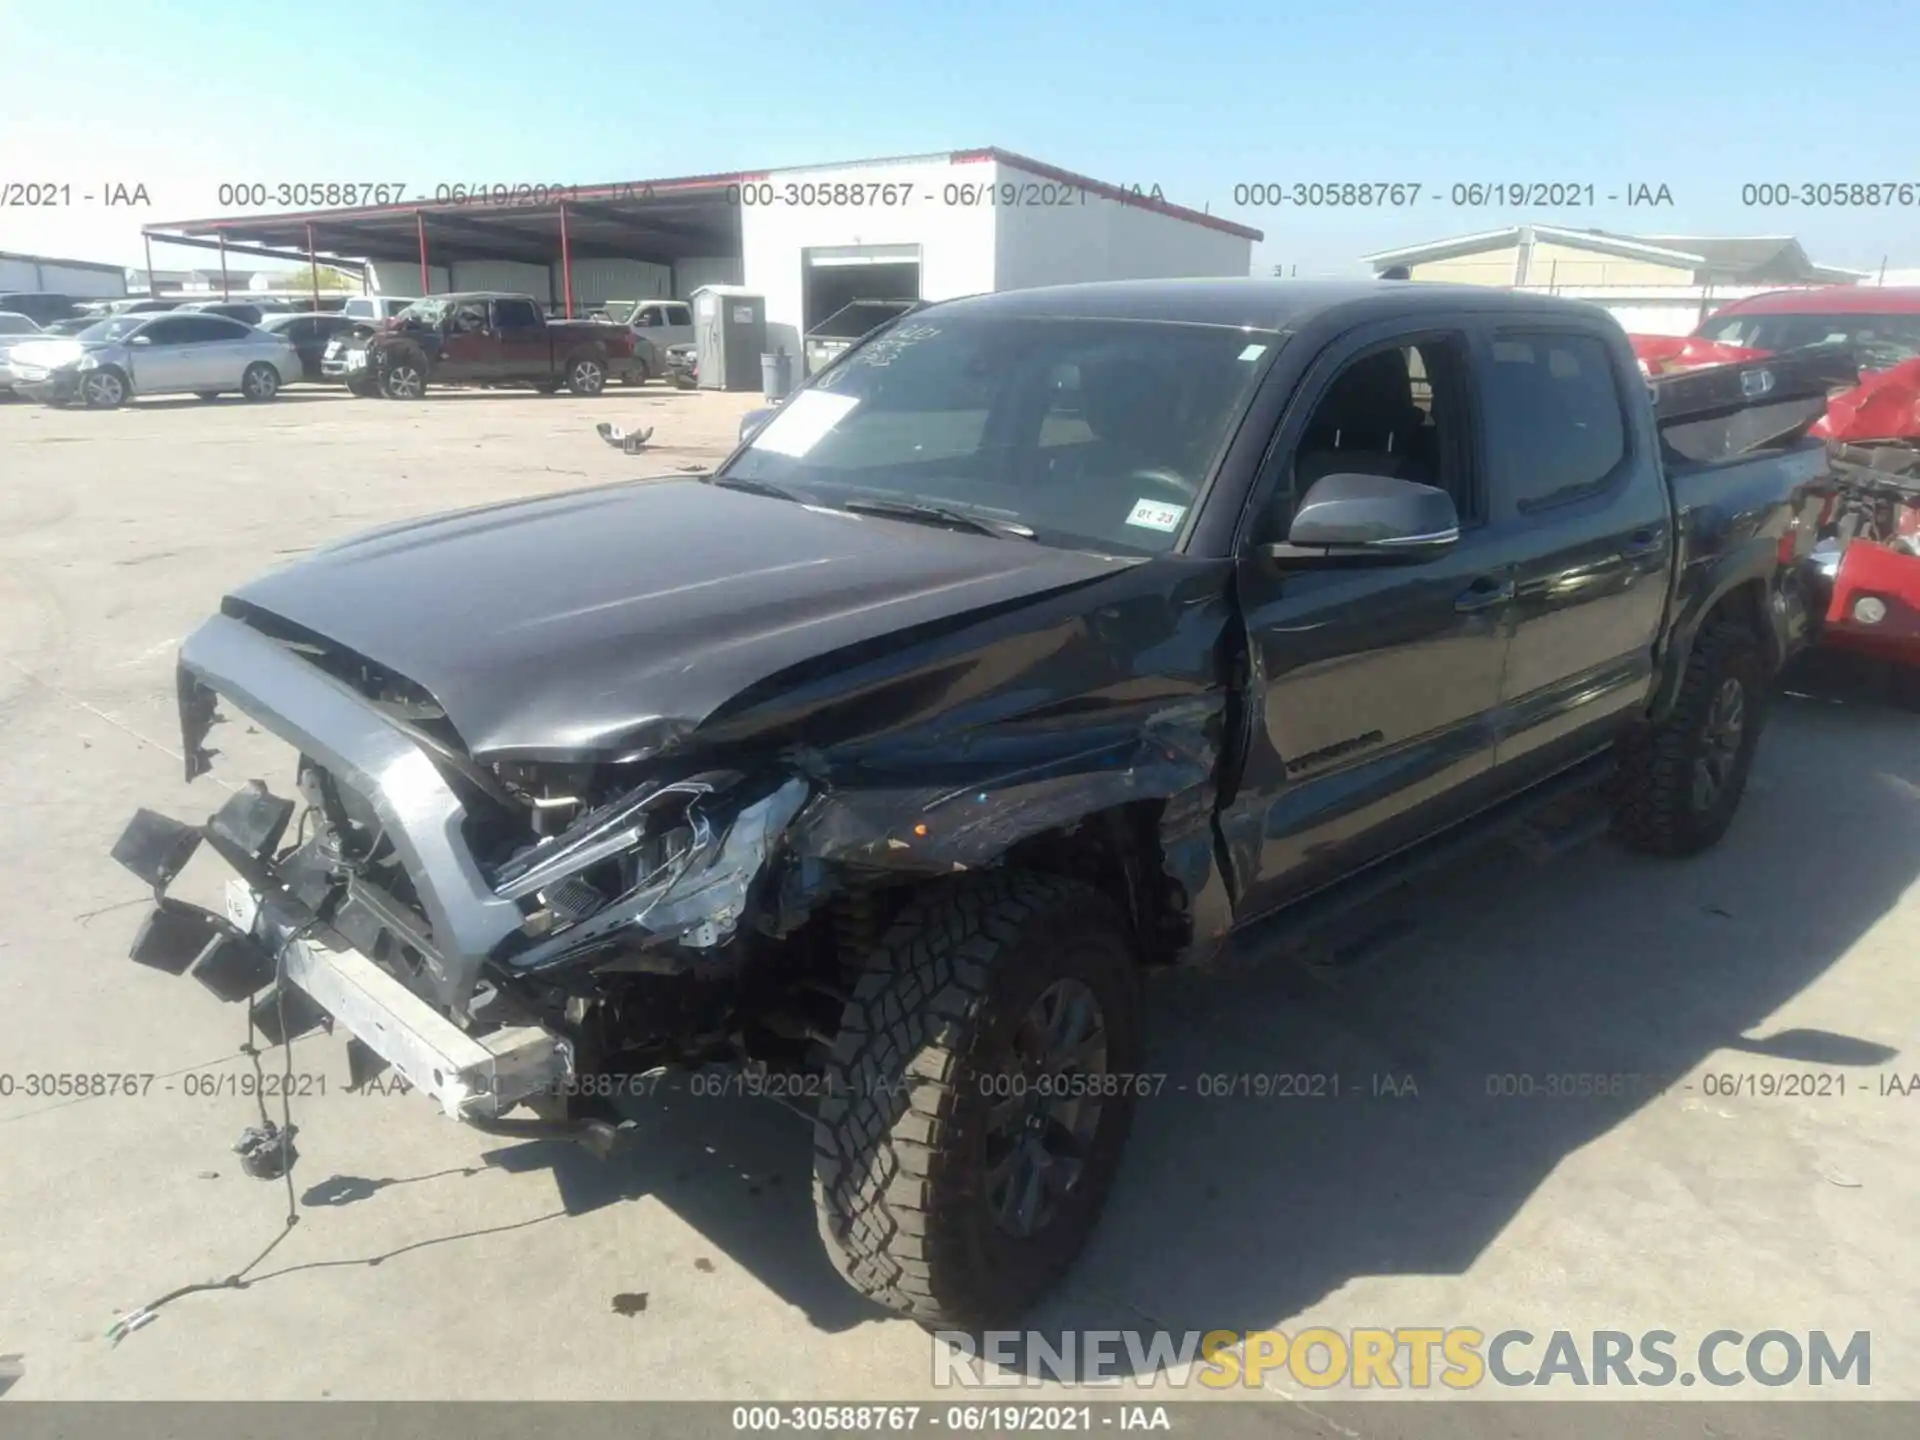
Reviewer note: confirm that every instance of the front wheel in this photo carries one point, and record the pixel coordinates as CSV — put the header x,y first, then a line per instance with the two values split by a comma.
x,y
978,1096
405,379
586,376
1680,781
104,389
260,382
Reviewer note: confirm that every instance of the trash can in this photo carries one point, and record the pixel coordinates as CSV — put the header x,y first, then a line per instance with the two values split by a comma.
x,y
776,375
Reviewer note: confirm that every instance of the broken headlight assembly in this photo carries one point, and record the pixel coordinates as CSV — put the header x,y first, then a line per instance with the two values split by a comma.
x,y
607,869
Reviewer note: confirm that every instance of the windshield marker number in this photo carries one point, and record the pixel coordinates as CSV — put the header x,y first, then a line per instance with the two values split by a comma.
x,y
1156,515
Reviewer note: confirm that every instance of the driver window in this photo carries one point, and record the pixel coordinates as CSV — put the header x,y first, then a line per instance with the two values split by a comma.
x,y
1398,410
468,319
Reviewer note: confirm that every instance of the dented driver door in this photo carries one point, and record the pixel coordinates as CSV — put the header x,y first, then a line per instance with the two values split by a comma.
x,y
1373,691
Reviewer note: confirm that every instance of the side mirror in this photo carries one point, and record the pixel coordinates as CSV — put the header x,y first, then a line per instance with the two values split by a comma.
x,y
141,340
1369,520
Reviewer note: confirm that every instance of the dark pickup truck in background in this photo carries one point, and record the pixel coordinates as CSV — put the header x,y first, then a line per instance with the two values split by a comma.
x,y
482,339
1047,637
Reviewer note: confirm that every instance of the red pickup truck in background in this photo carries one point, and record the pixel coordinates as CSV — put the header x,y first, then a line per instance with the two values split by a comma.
x,y
486,339
1866,564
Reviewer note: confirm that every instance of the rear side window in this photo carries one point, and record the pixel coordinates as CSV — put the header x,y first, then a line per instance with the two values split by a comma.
x,y
677,314
515,314
1555,424
208,329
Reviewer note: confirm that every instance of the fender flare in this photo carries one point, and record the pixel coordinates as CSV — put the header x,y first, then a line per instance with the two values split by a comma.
x,y
1750,579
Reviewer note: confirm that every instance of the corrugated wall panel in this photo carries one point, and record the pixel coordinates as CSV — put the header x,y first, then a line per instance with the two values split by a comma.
x,y
402,277
48,275
597,281
515,276
690,274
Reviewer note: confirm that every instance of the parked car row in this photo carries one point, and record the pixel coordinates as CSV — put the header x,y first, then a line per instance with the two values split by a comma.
x,y
107,363
393,346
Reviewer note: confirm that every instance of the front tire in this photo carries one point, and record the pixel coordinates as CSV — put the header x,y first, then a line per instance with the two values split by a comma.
x,y
587,376
1680,781
105,388
260,382
405,378
978,1096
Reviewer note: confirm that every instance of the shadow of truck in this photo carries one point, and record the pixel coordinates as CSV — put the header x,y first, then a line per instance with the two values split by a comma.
x,y
1235,1211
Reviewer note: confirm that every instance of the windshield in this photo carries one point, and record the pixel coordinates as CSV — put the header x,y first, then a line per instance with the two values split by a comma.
x,y
422,312
1882,340
17,325
117,328
1096,434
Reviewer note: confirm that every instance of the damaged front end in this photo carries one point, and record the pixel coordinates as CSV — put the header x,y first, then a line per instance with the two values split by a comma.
x,y
509,926
471,927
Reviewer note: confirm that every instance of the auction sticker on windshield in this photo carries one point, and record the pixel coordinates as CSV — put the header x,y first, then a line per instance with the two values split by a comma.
x,y
803,422
1156,515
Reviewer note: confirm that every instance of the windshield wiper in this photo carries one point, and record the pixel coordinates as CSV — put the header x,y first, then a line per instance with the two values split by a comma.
x,y
752,487
926,514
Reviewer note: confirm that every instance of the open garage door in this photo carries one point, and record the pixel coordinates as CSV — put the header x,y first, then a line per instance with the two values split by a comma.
x,y
834,276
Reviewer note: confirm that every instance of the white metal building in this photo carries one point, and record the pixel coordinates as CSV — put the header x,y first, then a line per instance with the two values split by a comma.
x,y
810,239
1654,284
82,279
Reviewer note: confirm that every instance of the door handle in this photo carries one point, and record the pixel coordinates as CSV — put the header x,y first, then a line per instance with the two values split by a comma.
x,y
1485,593
1642,543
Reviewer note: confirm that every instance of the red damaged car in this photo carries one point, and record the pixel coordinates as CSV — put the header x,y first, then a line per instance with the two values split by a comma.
x,y
1866,563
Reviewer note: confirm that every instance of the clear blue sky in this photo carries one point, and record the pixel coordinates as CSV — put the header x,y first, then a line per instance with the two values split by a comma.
x,y
1193,95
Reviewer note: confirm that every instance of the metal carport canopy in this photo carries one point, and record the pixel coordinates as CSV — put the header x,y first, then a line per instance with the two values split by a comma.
x,y
660,221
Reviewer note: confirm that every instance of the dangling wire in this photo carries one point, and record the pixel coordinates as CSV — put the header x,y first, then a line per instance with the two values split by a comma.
x,y
144,1315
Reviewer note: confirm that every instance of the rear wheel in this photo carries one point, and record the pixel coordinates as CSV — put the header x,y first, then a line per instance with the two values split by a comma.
x,y
977,1097
1680,781
105,388
260,382
639,374
587,376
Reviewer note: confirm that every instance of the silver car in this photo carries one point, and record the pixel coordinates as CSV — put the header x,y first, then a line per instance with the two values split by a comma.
x,y
14,328
165,354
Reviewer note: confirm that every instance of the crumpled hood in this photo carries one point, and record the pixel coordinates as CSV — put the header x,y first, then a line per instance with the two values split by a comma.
x,y
613,621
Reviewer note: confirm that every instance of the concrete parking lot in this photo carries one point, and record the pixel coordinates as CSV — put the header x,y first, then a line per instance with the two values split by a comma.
x,y
432,1262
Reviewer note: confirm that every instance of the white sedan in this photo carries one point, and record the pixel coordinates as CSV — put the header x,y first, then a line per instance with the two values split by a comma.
x,y
107,364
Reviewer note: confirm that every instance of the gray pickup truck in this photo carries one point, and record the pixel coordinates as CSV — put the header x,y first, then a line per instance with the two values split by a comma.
x,y
1045,638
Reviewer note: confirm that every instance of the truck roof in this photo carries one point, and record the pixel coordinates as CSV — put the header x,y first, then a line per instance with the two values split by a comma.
x,y
471,295
1260,304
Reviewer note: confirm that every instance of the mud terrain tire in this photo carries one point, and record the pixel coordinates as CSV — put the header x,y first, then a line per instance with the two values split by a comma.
x,y
1680,782
935,1115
